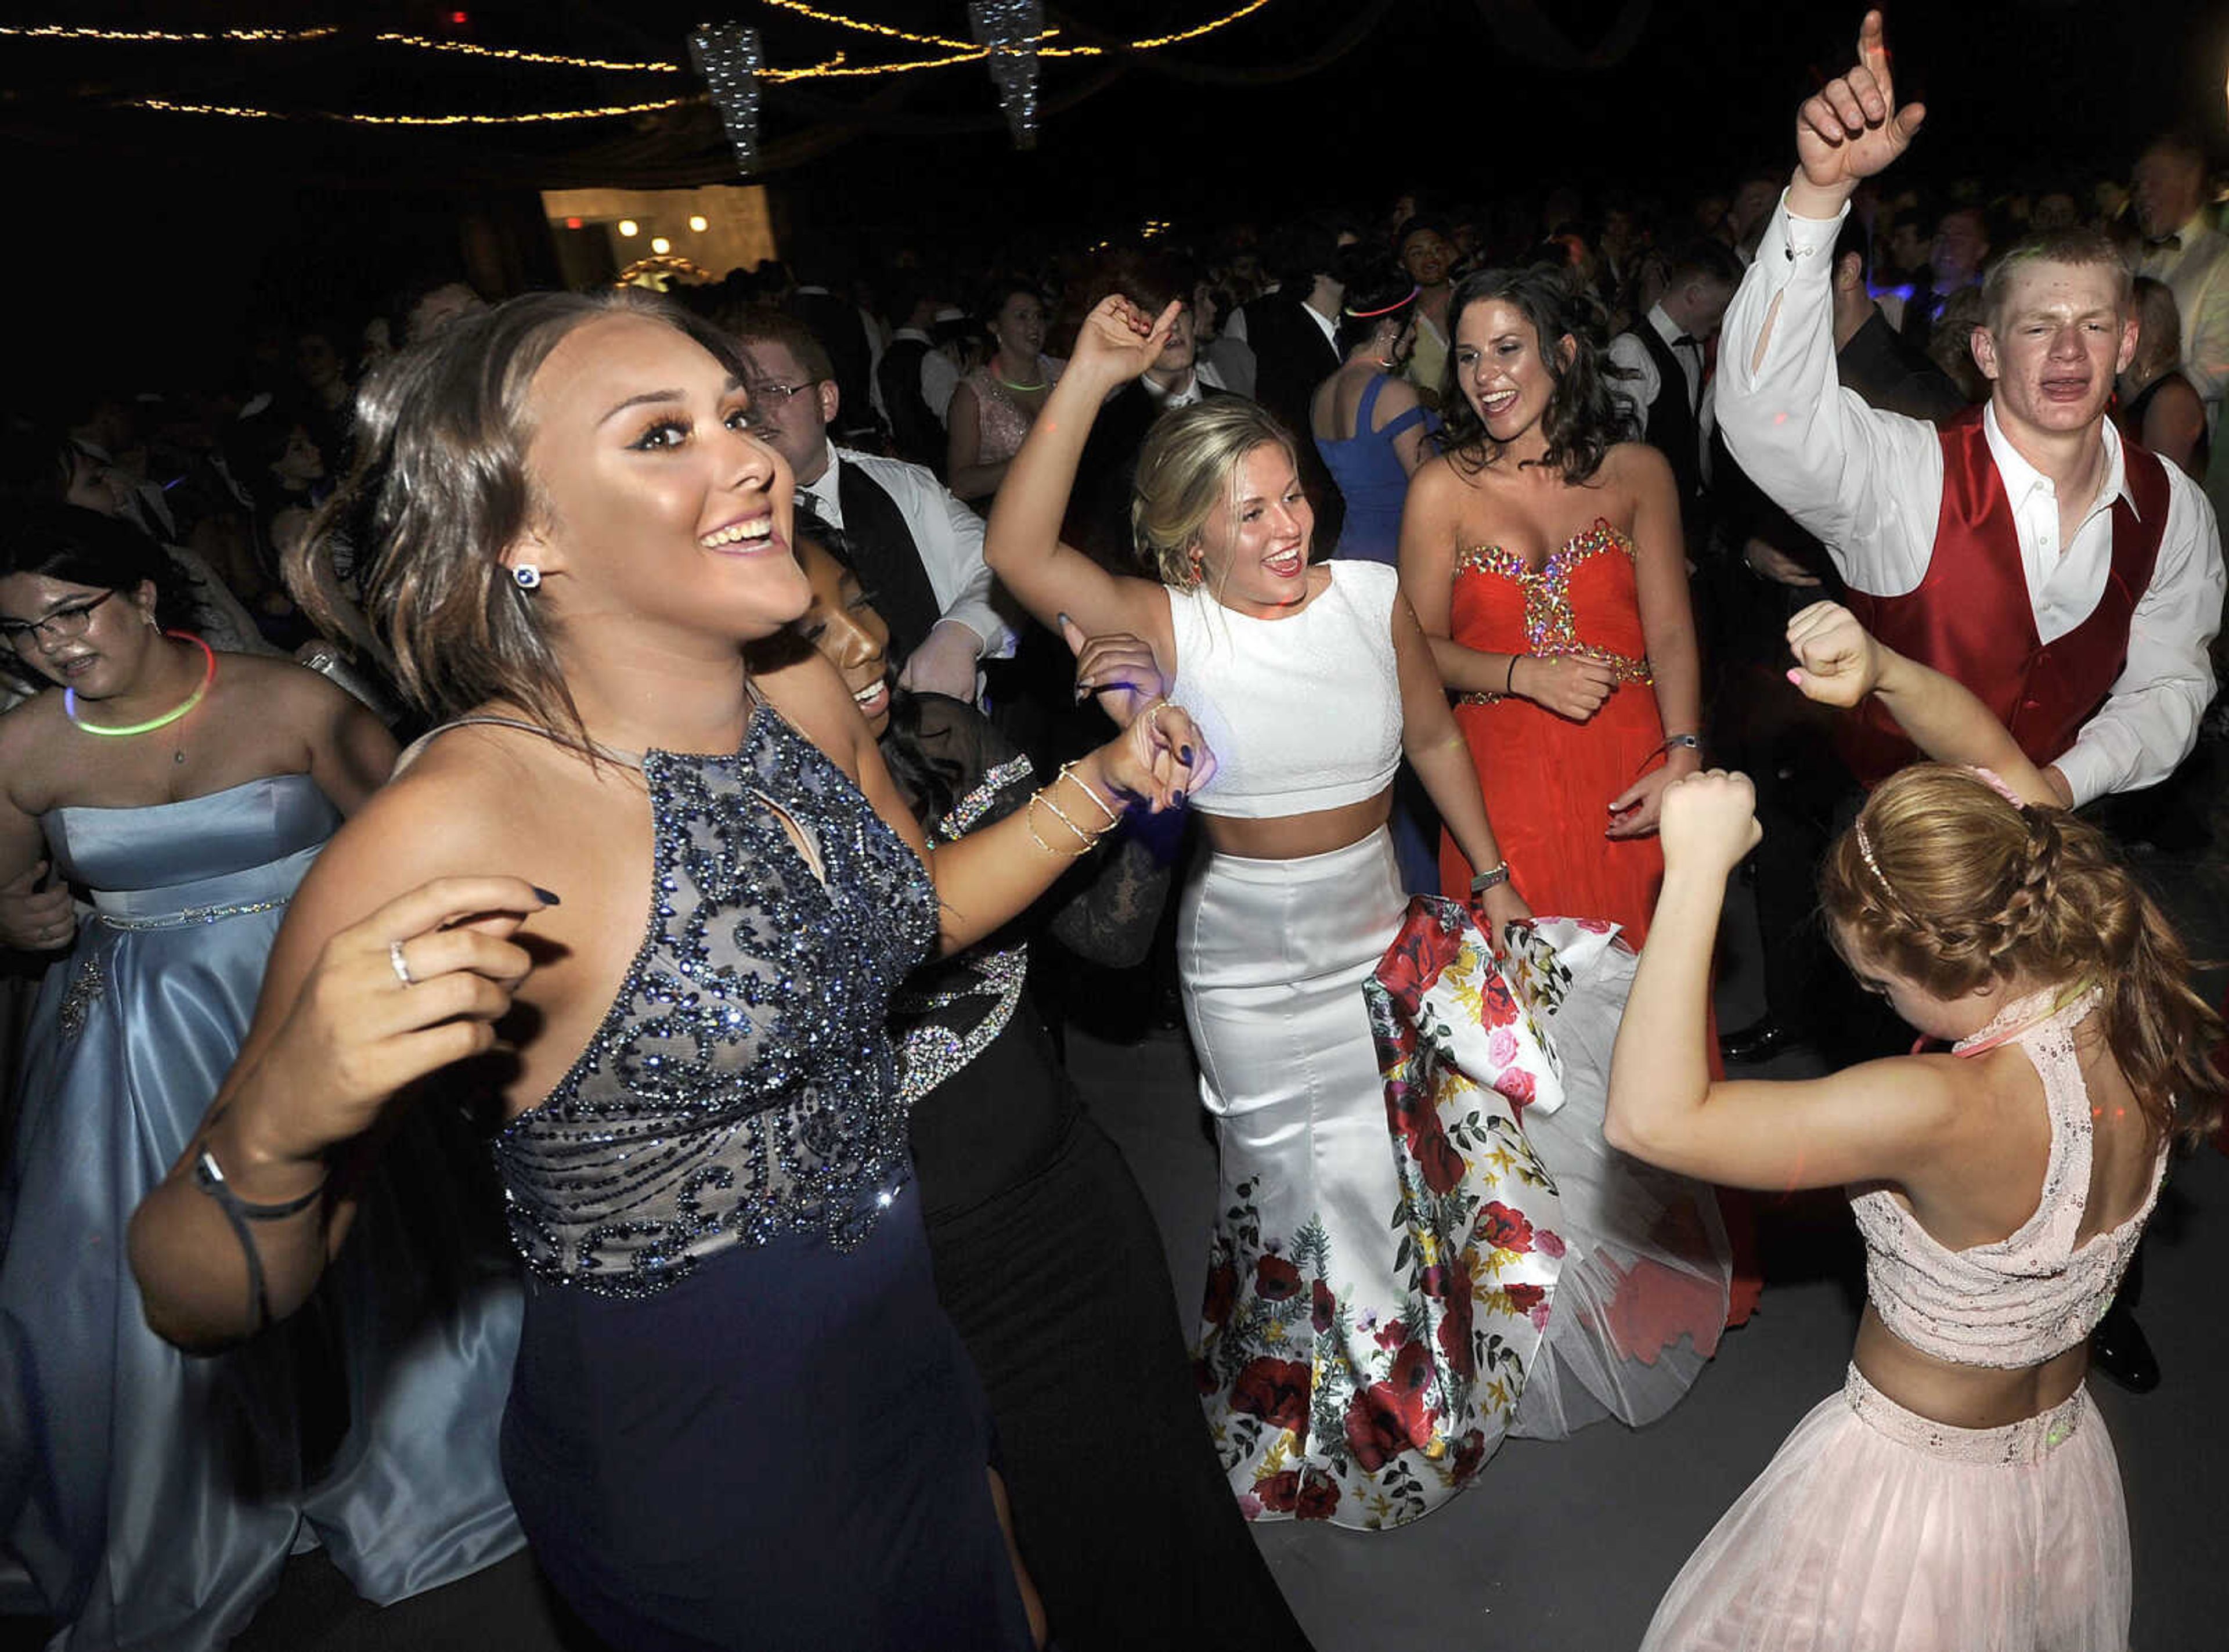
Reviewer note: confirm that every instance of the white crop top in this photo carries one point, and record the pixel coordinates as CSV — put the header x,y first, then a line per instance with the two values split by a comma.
x,y
1302,713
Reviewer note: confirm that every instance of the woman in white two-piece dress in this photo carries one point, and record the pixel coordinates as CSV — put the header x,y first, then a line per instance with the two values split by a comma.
x,y
1378,1273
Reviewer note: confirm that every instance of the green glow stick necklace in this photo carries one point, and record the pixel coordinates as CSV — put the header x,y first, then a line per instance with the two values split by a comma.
x,y
69,698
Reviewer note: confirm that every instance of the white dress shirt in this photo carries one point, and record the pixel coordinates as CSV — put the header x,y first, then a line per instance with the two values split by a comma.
x,y
2197,273
949,536
940,377
1870,486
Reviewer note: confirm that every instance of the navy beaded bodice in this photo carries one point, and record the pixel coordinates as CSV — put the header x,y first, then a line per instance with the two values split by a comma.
x,y
742,1083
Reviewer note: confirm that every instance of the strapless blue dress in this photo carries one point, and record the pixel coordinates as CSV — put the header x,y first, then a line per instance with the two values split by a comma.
x,y
148,1499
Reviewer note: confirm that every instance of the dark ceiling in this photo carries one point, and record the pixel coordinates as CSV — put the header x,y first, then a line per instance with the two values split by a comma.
x,y
133,214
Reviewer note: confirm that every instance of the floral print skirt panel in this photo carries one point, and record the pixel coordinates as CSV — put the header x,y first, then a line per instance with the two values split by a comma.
x,y
1393,1266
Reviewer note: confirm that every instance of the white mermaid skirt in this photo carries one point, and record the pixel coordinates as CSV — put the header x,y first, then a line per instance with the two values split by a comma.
x,y
1873,1529
1392,1264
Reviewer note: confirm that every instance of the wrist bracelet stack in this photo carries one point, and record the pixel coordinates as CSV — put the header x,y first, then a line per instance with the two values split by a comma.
x,y
208,1176
1084,840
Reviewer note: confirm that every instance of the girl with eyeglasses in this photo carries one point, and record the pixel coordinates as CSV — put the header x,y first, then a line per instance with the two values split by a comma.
x,y
146,1498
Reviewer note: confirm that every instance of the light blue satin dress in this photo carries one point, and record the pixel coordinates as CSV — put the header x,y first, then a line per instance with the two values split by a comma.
x,y
148,1499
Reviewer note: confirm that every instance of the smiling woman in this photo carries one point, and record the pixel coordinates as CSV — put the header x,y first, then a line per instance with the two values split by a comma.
x,y
1316,682
571,530
185,792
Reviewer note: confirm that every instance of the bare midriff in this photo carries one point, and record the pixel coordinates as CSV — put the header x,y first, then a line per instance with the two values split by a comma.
x,y
1295,837
1964,1396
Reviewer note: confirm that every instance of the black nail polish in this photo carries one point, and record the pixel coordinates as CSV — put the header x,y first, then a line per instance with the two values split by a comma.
x,y
548,899
1176,797
1185,752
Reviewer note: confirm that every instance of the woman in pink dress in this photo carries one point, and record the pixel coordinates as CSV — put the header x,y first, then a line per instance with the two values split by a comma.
x,y
994,405
1960,1493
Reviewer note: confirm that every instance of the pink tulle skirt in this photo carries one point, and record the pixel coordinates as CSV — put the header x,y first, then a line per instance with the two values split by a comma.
x,y
1873,1529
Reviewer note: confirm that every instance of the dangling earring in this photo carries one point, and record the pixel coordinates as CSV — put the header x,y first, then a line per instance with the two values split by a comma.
x,y
527,576
1198,566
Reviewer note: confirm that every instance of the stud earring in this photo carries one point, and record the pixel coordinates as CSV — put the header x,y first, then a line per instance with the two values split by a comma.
x,y
527,576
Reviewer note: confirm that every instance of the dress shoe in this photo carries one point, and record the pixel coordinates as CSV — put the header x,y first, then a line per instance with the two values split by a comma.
x,y
2119,1348
1760,1040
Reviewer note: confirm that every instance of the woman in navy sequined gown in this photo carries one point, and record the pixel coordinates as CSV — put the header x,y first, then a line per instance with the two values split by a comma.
x,y
146,1498
739,1417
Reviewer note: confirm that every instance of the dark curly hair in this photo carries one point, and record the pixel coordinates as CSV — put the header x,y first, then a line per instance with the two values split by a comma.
x,y
1582,422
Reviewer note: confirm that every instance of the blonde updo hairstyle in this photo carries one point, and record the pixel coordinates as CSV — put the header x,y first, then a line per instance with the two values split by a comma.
x,y
1965,888
1188,465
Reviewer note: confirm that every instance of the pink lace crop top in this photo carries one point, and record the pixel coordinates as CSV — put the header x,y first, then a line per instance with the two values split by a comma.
x,y
1303,712
2026,1298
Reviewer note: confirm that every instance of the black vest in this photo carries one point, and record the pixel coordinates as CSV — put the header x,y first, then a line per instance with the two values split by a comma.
x,y
916,432
876,544
1672,428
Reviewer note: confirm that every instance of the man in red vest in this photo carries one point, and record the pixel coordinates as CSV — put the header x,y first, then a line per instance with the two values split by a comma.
x,y
2068,578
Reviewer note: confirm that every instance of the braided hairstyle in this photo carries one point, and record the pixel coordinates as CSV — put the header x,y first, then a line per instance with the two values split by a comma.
x,y
1948,883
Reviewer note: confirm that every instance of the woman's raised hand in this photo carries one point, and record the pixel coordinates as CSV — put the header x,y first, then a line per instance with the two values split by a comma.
x,y
1567,684
1119,668
416,986
1709,822
1118,341
1159,759
1837,660
1850,128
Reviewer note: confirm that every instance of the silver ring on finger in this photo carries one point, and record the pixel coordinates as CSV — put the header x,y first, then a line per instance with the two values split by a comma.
x,y
400,964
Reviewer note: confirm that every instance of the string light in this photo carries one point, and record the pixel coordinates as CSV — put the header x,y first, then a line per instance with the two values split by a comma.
x,y
165,105
164,37
959,52
515,54
838,20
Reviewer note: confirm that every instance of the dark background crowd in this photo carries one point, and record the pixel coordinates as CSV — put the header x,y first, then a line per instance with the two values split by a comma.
x,y
187,364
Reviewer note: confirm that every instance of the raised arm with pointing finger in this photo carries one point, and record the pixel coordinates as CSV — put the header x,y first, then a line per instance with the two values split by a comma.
x,y
2071,582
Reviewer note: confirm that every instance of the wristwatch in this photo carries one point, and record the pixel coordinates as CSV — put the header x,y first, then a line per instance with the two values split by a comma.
x,y
1492,878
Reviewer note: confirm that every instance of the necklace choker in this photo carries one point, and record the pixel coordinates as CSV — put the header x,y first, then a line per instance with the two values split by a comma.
x,y
1011,385
208,675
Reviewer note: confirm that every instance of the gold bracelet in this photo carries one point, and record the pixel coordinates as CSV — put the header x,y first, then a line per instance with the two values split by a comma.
x,y
1061,814
1028,815
1068,772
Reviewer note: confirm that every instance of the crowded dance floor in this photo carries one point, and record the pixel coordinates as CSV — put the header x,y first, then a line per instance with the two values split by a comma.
x,y
860,829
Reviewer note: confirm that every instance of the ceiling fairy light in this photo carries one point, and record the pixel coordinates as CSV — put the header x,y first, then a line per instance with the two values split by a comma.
x,y
1011,36
516,55
165,105
164,37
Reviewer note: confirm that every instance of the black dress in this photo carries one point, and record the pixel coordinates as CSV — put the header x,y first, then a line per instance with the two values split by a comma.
x,y
739,1419
1051,1264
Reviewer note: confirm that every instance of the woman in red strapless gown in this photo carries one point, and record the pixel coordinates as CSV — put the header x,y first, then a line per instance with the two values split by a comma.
x,y
1582,603
1543,558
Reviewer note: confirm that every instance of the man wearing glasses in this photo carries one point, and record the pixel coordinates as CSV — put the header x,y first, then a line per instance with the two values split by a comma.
x,y
917,549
